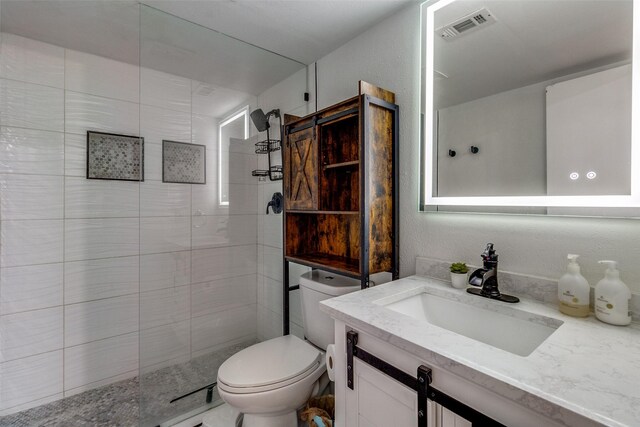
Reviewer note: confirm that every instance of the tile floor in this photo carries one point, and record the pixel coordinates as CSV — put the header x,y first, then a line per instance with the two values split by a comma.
x,y
140,401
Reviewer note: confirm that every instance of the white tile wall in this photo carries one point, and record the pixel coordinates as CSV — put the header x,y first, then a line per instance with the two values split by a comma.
x,y
216,330
31,61
31,287
164,307
246,146
30,242
99,360
218,230
270,294
219,263
164,345
31,106
243,164
31,196
31,151
100,76
157,124
165,90
75,159
272,235
30,379
164,199
204,130
165,270
243,199
204,201
30,332
93,198
100,278
95,320
209,297
86,266
165,234
272,267
101,238
85,112
269,323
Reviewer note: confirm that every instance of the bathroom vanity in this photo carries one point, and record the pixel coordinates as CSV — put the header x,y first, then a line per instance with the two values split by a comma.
x,y
521,364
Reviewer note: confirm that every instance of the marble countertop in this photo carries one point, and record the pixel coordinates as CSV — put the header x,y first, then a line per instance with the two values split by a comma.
x,y
585,367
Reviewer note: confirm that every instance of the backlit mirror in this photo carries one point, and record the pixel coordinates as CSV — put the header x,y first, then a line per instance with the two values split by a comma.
x,y
529,103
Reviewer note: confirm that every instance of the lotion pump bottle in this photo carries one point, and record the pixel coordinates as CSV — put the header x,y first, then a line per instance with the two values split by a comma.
x,y
612,297
573,290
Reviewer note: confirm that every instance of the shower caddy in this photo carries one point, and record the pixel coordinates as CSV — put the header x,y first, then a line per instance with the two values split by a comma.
x,y
268,146
341,189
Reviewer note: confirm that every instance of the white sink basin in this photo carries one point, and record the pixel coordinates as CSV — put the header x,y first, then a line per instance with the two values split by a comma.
x,y
517,332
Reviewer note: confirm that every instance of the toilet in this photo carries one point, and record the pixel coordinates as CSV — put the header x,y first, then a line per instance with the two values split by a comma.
x,y
269,381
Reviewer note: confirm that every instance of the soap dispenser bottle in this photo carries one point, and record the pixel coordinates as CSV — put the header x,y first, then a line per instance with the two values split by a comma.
x,y
573,290
612,297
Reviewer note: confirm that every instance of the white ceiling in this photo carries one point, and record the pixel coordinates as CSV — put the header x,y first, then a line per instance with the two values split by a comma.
x,y
104,28
291,33
304,30
532,41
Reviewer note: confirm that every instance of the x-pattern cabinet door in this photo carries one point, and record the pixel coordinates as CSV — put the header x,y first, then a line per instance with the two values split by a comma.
x,y
301,171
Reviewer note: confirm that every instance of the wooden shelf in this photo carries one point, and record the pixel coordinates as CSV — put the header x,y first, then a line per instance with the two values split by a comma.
x,y
296,211
326,189
326,181
348,266
341,165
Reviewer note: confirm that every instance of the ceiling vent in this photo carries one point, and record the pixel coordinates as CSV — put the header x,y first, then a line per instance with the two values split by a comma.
x,y
467,24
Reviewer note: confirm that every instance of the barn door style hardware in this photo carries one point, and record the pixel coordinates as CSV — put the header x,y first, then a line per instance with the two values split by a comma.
x,y
421,383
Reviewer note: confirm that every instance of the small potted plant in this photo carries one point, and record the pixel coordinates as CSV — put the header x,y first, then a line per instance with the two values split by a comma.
x,y
459,272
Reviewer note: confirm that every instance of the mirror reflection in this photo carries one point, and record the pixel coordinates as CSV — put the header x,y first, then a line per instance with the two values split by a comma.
x,y
532,98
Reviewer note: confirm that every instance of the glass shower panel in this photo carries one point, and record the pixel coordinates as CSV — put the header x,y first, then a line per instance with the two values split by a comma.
x,y
69,255
118,296
199,209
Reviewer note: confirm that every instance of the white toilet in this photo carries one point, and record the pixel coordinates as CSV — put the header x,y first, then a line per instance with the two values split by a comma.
x,y
269,381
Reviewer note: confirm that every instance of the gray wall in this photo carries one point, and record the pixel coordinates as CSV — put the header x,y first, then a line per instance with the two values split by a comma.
x,y
509,130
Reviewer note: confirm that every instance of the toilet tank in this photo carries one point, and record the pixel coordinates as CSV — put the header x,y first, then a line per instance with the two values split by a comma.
x,y
315,286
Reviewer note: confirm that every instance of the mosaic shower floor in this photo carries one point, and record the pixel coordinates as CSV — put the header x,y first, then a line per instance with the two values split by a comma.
x,y
140,401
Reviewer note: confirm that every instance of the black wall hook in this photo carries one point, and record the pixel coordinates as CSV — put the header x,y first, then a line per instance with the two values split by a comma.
x,y
474,149
452,153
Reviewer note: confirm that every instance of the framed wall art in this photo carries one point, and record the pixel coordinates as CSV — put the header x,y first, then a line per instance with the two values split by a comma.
x,y
183,163
115,157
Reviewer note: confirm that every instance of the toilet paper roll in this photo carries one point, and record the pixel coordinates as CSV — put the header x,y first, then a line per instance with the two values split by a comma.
x,y
330,359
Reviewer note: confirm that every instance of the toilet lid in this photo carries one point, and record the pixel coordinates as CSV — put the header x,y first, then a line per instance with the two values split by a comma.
x,y
269,362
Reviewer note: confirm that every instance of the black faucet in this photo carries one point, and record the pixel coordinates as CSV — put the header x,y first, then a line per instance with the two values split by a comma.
x,y
486,278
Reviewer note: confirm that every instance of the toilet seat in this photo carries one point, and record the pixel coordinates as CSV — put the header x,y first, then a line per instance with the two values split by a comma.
x,y
269,365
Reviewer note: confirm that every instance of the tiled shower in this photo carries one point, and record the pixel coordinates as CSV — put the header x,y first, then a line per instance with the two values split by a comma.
x,y
108,281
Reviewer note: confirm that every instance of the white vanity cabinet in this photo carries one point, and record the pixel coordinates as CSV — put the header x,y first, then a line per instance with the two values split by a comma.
x,y
570,378
378,400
